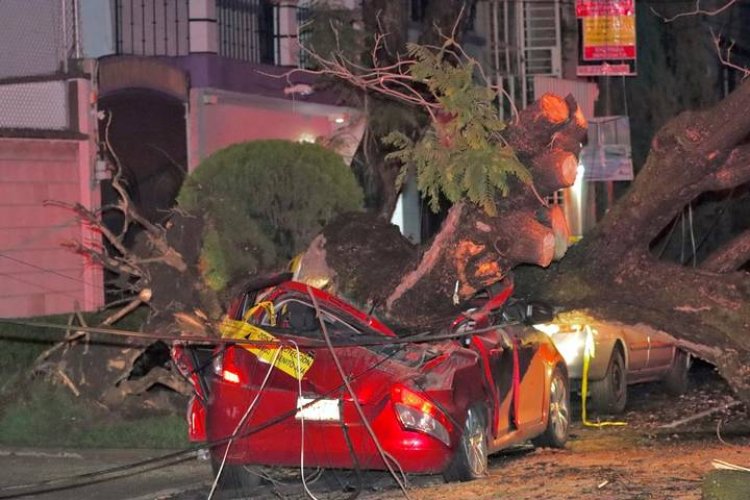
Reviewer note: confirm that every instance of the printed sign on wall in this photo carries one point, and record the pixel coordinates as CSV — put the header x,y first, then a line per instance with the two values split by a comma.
x,y
607,44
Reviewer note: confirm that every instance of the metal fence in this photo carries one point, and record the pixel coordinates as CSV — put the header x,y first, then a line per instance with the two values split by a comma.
x,y
247,30
37,37
152,27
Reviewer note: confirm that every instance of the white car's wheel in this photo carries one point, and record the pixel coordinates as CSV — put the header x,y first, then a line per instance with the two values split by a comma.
x,y
676,380
610,394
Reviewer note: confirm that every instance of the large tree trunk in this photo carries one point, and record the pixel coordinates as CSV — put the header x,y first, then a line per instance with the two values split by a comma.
x,y
613,273
370,263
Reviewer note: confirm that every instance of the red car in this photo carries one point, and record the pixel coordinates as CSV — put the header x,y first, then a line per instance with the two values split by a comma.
x,y
434,406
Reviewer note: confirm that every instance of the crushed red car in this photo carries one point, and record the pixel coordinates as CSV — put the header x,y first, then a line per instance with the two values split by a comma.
x,y
434,403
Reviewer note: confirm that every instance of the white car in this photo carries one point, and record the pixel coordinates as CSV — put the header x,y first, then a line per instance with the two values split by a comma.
x,y
619,355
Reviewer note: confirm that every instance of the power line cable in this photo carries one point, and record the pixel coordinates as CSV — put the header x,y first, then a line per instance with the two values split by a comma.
x,y
47,270
85,479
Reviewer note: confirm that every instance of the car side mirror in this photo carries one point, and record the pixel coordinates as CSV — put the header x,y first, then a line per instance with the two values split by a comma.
x,y
539,312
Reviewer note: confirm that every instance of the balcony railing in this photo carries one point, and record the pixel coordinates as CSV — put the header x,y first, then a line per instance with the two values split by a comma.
x,y
152,27
247,30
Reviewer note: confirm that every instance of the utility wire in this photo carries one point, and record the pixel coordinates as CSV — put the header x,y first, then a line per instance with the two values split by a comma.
x,y
47,270
419,338
47,486
384,455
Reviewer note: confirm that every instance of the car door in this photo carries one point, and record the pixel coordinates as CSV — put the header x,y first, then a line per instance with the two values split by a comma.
x,y
661,351
637,342
531,369
496,354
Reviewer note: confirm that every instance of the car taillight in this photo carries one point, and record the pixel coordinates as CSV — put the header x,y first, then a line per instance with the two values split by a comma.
x,y
225,368
417,413
181,360
185,365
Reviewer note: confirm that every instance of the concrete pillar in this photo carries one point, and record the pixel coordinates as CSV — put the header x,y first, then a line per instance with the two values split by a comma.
x,y
89,192
288,34
204,30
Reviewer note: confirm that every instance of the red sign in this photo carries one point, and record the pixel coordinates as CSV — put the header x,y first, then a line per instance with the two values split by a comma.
x,y
607,30
608,52
598,8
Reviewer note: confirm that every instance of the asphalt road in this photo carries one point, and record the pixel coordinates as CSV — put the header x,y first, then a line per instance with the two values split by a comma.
x,y
59,468
658,454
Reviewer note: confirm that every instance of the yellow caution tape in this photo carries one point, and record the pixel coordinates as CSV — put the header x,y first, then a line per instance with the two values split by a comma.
x,y
588,353
268,306
290,361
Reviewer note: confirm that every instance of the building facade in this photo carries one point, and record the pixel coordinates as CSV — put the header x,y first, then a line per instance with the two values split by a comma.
x,y
162,84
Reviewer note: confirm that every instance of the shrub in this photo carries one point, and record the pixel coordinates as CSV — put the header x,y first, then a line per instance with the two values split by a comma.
x,y
263,202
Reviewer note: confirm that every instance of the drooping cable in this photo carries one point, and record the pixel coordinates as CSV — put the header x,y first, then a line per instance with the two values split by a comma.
x,y
301,422
242,422
357,467
692,233
87,478
383,454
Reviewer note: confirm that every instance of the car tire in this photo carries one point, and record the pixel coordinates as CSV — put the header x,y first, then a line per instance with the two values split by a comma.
x,y
235,479
610,394
558,418
676,380
469,461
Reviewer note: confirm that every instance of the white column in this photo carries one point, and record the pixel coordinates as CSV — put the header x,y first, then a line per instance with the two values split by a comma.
x,y
204,31
288,32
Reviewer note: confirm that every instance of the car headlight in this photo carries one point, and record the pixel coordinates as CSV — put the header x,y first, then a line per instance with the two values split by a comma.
x,y
571,340
548,328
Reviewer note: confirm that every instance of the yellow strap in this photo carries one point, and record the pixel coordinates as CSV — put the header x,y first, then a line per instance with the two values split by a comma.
x,y
268,306
288,360
588,353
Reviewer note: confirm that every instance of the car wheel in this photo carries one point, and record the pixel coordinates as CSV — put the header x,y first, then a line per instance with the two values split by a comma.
x,y
235,479
558,420
676,380
610,394
470,458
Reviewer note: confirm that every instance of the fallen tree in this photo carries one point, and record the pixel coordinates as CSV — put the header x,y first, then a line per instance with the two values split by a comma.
x,y
416,288
497,178
611,274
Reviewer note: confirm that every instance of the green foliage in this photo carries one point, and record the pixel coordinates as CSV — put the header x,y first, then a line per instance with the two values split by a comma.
x,y
51,416
461,154
263,202
38,414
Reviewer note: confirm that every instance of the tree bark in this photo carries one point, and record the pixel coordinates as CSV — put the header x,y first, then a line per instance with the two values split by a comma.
x,y
612,273
472,250
730,257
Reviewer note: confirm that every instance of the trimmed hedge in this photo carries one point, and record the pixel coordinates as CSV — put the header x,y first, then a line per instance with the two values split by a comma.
x,y
262,203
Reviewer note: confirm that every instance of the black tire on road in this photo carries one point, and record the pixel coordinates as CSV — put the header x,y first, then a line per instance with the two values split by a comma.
x,y
558,420
470,458
610,394
676,380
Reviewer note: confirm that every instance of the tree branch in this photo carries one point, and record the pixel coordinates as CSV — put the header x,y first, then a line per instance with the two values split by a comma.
x,y
734,171
695,12
729,257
